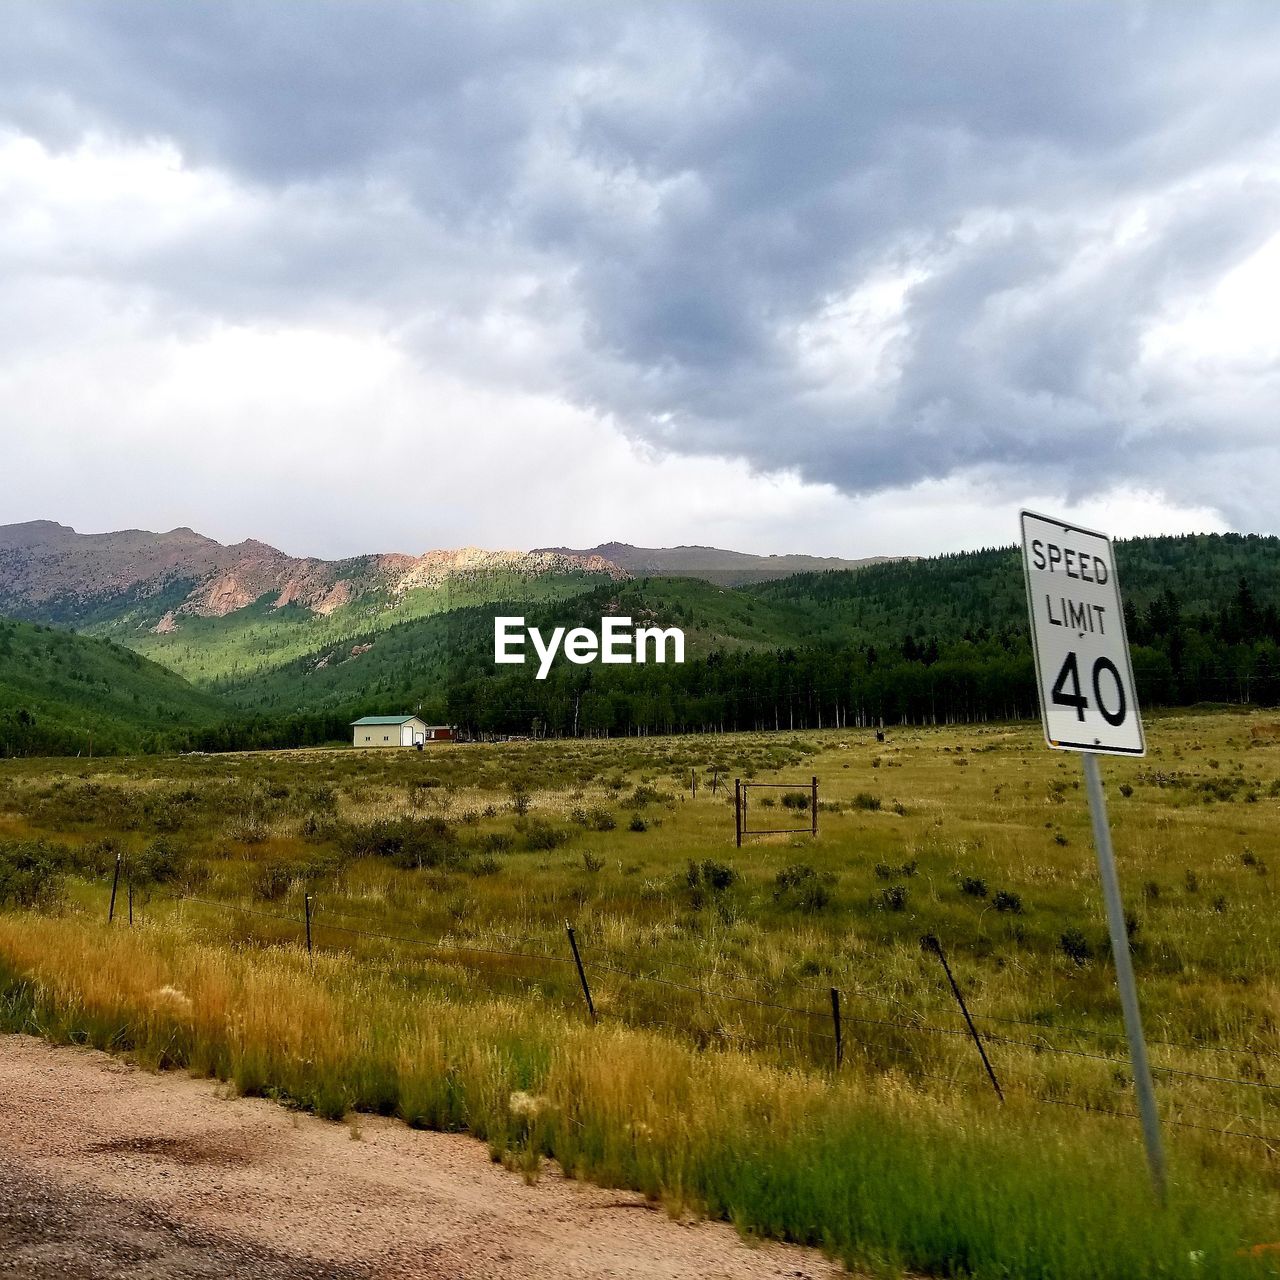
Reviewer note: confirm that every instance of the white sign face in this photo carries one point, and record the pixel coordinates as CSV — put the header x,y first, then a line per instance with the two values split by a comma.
x,y
1083,671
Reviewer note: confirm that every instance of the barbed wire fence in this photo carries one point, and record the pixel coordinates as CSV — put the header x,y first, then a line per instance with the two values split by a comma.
x,y
828,1033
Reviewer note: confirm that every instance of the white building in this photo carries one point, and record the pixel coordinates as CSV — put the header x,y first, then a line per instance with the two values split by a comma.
x,y
397,731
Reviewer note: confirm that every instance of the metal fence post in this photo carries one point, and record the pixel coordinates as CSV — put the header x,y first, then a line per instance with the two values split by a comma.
x,y
115,884
737,809
582,975
815,804
835,1019
931,943
306,906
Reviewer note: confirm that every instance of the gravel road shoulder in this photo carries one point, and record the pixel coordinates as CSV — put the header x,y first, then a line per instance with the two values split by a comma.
x,y
110,1171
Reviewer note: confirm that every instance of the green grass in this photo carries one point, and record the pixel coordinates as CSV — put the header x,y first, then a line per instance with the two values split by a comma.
x,y
902,1160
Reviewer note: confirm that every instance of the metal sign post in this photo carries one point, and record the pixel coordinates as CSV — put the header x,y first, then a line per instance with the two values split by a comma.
x,y
1088,703
1142,1082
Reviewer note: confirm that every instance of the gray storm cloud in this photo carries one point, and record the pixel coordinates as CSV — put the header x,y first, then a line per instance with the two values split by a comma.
x,y
881,244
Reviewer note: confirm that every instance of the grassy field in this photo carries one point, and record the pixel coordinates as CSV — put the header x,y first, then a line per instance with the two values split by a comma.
x,y
442,987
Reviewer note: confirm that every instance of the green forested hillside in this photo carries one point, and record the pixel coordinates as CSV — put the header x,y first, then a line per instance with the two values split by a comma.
x,y
63,694
977,591
942,639
936,639
261,637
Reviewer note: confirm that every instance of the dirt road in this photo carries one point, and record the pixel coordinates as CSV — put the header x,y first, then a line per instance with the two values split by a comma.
x,y
109,1171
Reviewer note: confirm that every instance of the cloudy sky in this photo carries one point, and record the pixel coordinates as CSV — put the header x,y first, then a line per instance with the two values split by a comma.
x,y
839,278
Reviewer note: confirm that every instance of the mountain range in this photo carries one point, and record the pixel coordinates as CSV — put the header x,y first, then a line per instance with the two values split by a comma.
x,y
49,572
176,633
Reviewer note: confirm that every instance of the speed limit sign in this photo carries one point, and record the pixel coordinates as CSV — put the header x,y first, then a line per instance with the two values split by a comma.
x,y
1083,669
1088,704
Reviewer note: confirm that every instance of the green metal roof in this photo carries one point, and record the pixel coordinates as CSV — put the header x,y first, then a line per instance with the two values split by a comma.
x,y
384,720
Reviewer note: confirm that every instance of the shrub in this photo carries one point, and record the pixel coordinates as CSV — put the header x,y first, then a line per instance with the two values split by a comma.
x,y
30,874
542,836
410,843
643,796
884,871
802,888
712,875
1251,860
246,828
796,800
521,800
591,863
160,862
497,842
637,824
974,886
894,898
273,880
865,800
1007,901
601,820
1075,946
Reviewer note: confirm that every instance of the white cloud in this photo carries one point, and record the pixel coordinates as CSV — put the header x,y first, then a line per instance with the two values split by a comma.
x,y
679,276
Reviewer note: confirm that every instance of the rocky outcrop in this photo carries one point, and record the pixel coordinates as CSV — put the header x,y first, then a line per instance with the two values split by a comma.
x,y
49,572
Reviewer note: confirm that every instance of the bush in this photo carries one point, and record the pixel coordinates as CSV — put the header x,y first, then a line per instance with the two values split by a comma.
x,y
273,881
712,875
974,886
894,898
884,871
410,843
637,824
247,828
796,800
1007,902
594,819
1075,946
30,874
643,796
865,800
801,888
160,862
542,836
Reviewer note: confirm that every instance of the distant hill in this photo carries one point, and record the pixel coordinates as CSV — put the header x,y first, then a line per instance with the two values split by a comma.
x,y
729,568
158,581
211,611
66,694
943,637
